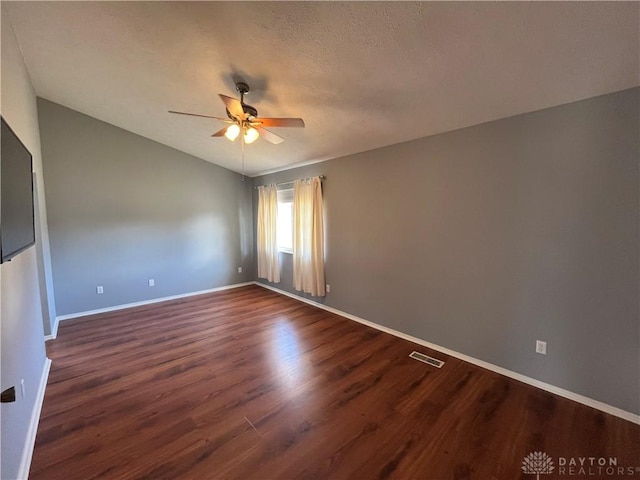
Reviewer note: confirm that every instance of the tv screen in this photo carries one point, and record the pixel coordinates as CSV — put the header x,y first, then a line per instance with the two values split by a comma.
x,y
17,231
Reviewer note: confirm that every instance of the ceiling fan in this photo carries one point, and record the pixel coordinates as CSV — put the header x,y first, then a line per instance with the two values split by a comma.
x,y
243,118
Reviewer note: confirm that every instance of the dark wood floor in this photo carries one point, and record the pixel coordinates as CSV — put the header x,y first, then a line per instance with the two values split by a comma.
x,y
247,383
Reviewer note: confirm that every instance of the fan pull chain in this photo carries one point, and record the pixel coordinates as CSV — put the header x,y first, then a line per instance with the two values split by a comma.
x,y
242,139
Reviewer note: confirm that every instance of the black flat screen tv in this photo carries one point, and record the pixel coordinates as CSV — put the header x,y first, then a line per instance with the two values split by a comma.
x,y
17,228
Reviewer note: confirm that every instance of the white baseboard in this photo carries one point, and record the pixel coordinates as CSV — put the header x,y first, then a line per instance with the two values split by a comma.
x,y
54,332
61,318
27,451
632,417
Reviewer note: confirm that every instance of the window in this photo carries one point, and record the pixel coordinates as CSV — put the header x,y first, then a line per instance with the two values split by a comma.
x,y
285,220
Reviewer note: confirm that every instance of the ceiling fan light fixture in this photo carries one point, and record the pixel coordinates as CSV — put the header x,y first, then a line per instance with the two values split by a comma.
x,y
242,117
232,132
251,135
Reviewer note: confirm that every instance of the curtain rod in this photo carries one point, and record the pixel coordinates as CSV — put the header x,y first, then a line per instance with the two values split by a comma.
x,y
322,177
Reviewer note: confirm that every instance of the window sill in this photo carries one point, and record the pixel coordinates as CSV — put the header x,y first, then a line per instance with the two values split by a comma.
x,y
285,250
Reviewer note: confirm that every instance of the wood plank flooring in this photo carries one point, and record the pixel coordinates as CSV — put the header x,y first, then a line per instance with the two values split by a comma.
x,y
249,384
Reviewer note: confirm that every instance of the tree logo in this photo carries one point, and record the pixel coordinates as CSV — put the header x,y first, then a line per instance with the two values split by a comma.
x,y
537,462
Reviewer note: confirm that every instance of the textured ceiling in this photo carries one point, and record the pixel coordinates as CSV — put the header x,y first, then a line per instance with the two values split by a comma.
x,y
361,74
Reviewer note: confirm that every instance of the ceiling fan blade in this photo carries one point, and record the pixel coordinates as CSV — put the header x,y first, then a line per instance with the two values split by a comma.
x,y
234,106
198,115
220,133
278,122
268,136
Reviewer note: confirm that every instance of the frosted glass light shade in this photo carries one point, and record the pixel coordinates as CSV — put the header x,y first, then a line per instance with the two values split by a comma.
x,y
251,135
232,132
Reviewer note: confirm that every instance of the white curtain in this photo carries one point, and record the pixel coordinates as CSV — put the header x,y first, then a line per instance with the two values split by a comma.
x,y
308,237
268,264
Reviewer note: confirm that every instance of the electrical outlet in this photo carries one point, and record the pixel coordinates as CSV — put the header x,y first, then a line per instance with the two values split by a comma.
x,y
152,282
239,269
99,289
328,288
541,347
22,391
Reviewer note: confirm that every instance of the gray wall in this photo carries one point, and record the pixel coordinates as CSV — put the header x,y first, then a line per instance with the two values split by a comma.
x,y
124,209
485,239
21,322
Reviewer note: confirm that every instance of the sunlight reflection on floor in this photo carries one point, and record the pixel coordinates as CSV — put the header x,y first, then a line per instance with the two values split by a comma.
x,y
286,355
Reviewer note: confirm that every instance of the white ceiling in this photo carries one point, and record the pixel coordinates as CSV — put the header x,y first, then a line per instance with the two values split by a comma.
x,y
361,74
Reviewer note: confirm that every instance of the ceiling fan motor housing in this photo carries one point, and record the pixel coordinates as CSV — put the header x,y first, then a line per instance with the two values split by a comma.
x,y
249,110
243,89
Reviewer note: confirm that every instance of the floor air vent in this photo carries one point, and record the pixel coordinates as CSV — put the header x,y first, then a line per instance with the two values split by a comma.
x,y
434,362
